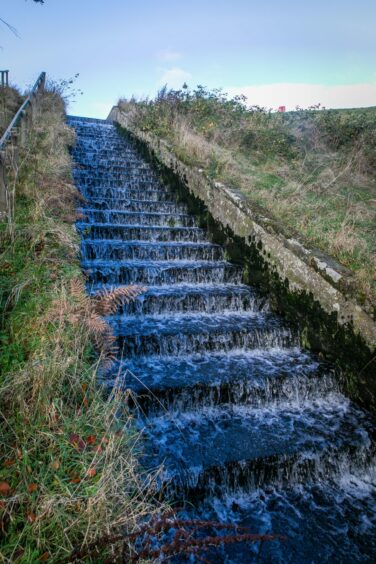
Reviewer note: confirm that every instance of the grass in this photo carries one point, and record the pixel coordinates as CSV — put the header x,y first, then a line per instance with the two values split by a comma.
x,y
312,170
68,468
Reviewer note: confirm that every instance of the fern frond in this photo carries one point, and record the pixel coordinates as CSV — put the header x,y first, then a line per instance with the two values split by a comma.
x,y
107,301
77,290
104,340
107,363
96,324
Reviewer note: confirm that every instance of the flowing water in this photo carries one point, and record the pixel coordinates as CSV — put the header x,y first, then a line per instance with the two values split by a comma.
x,y
250,429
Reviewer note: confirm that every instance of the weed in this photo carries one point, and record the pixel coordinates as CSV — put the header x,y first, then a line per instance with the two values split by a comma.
x,y
167,536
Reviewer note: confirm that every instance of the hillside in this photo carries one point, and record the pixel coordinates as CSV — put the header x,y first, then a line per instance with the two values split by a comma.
x,y
312,170
67,475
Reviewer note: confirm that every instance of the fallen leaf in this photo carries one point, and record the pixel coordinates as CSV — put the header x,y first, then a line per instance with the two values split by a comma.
x,y
45,556
55,465
91,439
9,463
74,478
77,442
31,517
98,449
5,489
85,402
91,473
32,488
84,387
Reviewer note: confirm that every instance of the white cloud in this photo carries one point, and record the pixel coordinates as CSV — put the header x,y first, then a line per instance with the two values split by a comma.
x,y
169,55
304,95
174,77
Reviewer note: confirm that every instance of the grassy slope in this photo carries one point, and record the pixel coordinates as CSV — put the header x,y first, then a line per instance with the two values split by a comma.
x,y
312,170
67,475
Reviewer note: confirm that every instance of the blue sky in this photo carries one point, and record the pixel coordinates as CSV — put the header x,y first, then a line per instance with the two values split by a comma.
x,y
276,52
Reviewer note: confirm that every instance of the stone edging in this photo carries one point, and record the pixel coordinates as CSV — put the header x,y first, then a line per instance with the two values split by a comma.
x,y
306,269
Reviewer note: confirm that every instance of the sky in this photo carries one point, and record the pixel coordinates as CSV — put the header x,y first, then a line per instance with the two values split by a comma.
x,y
275,52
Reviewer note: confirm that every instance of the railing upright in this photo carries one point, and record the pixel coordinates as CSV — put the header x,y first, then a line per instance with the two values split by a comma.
x,y
4,78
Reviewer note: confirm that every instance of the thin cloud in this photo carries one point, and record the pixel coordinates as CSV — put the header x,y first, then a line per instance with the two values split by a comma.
x,y
169,56
304,95
174,77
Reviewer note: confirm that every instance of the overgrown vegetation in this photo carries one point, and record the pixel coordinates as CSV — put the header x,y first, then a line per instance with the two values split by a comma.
x,y
313,170
68,472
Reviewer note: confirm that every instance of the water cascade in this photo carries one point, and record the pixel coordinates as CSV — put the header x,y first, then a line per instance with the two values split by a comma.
x,y
250,428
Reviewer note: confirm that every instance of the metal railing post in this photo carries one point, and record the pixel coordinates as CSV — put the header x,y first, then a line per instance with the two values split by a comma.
x,y
4,78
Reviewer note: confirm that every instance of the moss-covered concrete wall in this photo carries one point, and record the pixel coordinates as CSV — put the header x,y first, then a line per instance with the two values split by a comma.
x,y
306,286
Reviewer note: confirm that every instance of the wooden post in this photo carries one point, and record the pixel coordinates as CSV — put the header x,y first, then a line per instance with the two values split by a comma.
x,y
3,186
32,109
24,127
42,84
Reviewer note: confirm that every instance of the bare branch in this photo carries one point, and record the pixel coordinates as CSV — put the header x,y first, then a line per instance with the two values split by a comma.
x,y
10,27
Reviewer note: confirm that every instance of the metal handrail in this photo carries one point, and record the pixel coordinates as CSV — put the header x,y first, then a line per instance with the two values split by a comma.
x,y
9,153
8,132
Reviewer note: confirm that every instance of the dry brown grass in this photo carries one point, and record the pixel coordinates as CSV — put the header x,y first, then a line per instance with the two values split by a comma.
x,y
286,164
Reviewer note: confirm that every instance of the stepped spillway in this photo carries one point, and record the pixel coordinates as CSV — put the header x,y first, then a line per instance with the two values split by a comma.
x,y
250,429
